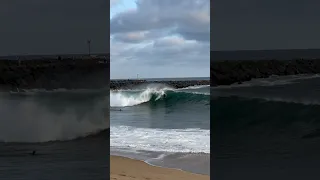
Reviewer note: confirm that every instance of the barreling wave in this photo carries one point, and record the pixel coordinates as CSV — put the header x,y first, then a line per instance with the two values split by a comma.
x,y
159,94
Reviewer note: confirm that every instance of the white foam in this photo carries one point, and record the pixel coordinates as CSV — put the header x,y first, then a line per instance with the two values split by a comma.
x,y
270,81
59,90
160,140
291,100
196,87
123,98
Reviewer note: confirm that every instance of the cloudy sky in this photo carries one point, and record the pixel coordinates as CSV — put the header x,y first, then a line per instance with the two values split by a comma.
x,y
53,26
265,24
159,38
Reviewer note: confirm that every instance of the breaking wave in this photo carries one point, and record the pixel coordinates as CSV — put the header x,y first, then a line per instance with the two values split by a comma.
x,y
42,116
154,93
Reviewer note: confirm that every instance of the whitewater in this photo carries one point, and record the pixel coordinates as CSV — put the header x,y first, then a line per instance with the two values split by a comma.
x,y
158,124
62,126
35,116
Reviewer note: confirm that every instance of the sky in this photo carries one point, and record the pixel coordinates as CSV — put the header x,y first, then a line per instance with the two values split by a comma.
x,y
53,26
265,24
159,38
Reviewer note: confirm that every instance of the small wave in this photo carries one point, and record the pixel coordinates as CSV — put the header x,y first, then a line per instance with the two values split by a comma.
x,y
270,81
294,101
196,87
98,134
160,140
60,90
275,99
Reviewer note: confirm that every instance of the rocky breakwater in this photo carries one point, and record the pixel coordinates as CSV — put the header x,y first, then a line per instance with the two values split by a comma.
x,y
129,84
51,74
238,71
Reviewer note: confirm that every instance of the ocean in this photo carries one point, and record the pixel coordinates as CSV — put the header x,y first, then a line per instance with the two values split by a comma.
x,y
67,129
162,126
267,128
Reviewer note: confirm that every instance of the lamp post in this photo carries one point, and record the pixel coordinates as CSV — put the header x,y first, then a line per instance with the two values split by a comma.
x,y
89,46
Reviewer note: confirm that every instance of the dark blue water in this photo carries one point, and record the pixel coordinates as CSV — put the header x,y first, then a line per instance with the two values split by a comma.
x,y
267,128
282,54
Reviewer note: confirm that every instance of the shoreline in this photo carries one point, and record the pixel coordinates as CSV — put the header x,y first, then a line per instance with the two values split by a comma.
x,y
147,170
195,163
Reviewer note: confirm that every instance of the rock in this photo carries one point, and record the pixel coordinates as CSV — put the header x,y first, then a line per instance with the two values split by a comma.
x,y
235,71
128,84
54,74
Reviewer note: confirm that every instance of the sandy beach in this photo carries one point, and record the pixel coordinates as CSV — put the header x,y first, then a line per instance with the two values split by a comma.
x,y
126,169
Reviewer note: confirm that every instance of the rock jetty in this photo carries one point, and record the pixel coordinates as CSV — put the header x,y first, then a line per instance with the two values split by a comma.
x,y
237,71
69,73
128,84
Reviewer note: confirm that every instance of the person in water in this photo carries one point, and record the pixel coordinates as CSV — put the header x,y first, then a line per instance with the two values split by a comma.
x,y
33,153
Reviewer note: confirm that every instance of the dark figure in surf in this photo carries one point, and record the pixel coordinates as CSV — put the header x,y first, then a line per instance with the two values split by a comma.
x,y
33,153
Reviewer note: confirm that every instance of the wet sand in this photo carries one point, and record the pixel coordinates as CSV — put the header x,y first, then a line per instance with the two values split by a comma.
x,y
122,168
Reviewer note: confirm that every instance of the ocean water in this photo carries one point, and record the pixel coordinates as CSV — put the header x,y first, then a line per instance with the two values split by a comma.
x,y
267,129
68,129
280,54
162,126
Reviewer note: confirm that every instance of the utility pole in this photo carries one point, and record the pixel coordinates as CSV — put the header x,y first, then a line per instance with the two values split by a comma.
x,y
89,46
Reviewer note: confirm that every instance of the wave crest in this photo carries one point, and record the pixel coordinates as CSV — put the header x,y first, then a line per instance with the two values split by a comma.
x,y
125,98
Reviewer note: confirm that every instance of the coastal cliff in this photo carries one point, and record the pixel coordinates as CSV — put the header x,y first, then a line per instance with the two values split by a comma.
x,y
237,71
54,73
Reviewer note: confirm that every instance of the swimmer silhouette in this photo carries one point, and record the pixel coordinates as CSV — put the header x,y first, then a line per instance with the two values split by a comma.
x,y
33,153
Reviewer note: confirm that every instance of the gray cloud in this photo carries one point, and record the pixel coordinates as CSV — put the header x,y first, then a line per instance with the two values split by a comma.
x,y
160,35
53,26
265,24
182,16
